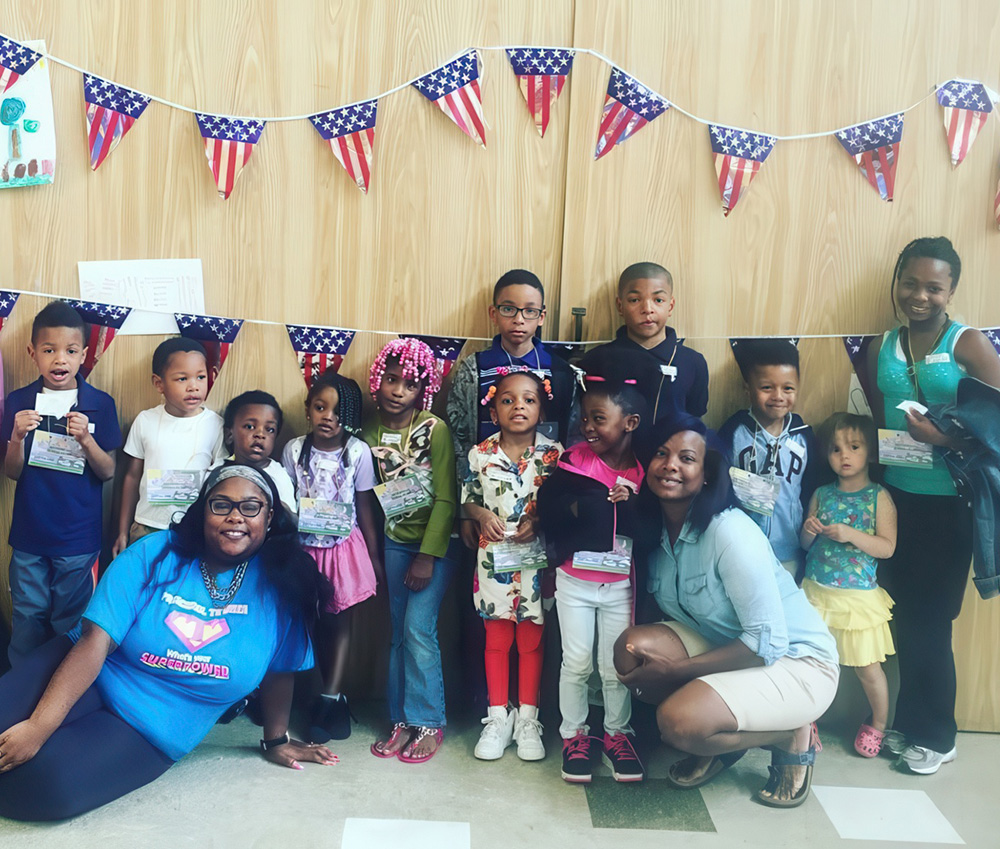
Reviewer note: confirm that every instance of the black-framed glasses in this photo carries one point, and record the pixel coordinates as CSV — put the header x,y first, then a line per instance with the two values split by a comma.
x,y
529,313
221,506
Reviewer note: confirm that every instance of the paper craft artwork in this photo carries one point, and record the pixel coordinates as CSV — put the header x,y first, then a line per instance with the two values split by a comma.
x,y
351,134
228,145
28,142
216,335
992,333
454,87
857,352
875,147
628,107
446,348
738,156
541,74
111,111
103,322
7,301
967,104
318,348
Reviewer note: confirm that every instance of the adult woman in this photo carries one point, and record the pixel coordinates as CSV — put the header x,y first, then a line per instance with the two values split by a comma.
x,y
747,661
927,576
162,652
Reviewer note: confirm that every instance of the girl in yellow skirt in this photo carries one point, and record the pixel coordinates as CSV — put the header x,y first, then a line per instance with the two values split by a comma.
x,y
851,525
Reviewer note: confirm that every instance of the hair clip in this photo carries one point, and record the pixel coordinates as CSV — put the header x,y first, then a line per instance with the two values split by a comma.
x,y
489,395
547,386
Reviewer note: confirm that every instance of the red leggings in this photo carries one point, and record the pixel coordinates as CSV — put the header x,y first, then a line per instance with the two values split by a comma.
x,y
499,639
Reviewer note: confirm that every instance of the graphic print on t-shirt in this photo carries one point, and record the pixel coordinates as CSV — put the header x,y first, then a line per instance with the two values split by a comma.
x,y
193,632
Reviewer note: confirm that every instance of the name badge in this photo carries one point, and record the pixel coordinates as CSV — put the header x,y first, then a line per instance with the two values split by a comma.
x,y
757,493
930,359
326,518
518,556
629,485
495,474
797,449
898,448
402,495
57,452
617,562
173,486
669,371
391,439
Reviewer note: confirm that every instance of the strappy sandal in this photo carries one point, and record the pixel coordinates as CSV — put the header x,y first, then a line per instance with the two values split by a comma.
x,y
868,743
407,756
780,759
677,771
380,748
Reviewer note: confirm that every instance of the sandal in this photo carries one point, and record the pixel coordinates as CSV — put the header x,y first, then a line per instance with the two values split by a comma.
x,y
868,743
779,760
677,771
383,748
407,756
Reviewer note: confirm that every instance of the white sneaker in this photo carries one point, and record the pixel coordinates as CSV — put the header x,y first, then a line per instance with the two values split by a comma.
x,y
926,761
497,735
895,741
528,734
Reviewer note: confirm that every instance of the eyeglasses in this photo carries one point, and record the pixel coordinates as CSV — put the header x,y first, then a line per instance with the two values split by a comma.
x,y
529,313
223,507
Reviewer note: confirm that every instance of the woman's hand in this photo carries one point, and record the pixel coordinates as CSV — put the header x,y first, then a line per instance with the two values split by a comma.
x,y
292,753
419,575
525,530
492,527
20,743
468,530
922,429
619,492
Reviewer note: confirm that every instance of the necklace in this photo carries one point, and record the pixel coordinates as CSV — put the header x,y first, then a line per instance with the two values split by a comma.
x,y
221,598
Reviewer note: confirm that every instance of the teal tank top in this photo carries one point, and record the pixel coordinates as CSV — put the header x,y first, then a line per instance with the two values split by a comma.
x,y
938,380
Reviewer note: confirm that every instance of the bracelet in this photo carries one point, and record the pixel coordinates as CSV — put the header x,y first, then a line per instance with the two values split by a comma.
x,y
274,743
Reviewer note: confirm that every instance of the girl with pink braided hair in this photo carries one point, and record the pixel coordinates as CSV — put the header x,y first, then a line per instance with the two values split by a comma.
x,y
415,465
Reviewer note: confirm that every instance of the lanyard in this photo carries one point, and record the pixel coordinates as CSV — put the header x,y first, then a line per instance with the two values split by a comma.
x,y
770,447
911,367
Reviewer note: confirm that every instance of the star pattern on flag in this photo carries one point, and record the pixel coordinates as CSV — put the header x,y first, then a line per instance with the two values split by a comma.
x,y
738,155
541,74
208,328
874,145
445,348
966,105
16,60
103,322
111,111
318,348
7,301
628,107
350,132
228,145
993,334
857,352
454,87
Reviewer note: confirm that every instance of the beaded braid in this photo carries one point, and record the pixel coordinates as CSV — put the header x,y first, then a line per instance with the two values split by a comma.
x,y
417,362
348,410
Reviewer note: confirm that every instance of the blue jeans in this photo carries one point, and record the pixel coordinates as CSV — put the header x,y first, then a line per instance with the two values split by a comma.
x,y
416,686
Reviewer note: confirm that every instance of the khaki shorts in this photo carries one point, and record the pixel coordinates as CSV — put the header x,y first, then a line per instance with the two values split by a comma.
x,y
785,695
137,532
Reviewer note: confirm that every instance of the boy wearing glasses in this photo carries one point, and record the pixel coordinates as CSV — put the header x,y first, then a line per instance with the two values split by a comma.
x,y
60,435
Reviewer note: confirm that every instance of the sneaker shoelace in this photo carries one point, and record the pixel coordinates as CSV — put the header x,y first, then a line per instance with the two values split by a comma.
x,y
621,749
578,747
527,725
494,726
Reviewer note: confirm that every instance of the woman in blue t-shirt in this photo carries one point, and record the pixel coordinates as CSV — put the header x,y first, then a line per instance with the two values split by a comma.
x,y
184,623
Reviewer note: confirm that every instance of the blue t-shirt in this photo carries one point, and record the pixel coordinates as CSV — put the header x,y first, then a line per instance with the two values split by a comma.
x,y
58,514
179,662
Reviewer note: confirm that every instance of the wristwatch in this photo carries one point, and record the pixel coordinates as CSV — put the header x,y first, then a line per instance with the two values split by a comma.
x,y
274,743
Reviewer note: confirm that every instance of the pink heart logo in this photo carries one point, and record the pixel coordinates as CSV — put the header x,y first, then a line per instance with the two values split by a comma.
x,y
196,633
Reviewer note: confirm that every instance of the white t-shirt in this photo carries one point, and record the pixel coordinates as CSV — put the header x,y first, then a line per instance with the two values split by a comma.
x,y
163,441
276,472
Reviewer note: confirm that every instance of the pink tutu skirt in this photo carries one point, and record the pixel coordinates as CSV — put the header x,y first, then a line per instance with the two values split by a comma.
x,y
348,569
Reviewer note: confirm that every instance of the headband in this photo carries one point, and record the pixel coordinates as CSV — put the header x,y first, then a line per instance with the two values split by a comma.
x,y
222,473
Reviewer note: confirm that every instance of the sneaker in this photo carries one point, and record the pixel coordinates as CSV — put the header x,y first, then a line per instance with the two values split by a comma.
x,y
926,761
497,733
528,734
895,742
232,712
577,765
331,720
619,754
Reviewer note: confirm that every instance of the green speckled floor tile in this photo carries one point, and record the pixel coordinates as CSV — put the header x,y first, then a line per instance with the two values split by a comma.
x,y
651,804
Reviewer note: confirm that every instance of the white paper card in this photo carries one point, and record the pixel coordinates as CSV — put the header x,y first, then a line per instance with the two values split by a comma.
x,y
413,834
618,562
402,495
902,817
908,406
173,486
518,556
57,452
898,448
56,405
756,493
326,518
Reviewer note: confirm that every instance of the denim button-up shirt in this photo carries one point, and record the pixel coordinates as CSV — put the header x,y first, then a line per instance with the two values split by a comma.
x,y
727,584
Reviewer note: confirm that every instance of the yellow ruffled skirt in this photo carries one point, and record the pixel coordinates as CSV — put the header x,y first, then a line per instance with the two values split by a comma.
x,y
858,620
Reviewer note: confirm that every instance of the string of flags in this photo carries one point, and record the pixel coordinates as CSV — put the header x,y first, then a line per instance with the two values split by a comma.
x,y
455,87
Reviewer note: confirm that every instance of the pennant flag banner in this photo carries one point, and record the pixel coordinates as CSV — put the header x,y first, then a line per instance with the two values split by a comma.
x,y
446,348
216,335
454,87
875,147
738,156
857,351
967,104
628,107
228,145
993,334
351,134
318,348
541,74
104,321
7,301
111,111
15,61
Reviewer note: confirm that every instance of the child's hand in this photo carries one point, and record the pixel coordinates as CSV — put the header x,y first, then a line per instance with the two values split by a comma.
x,y
121,543
838,532
619,492
813,526
24,422
525,530
77,426
468,530
492,528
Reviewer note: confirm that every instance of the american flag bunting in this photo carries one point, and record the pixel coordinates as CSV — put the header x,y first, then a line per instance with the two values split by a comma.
x,y
216,334
874,145
16,60
446,348
857,352
541,74
454,87
111,111
318,348
738,156
351,134
7,301
967,104
993,334
228,145
103,322
742,347
628,107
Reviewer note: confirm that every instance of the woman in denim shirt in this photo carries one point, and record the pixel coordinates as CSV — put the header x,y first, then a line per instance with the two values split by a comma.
x,y
746,660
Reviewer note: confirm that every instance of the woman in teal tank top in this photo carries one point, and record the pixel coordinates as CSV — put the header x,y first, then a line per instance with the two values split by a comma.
x,y
923,361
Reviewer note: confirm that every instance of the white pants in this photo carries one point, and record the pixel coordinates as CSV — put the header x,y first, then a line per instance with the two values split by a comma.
x,y
582,605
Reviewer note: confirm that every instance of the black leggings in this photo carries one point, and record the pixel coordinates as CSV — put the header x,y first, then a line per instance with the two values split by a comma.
x,y
93,758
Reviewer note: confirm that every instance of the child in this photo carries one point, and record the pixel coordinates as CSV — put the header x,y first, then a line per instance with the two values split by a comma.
x,y
505,472
850,527
60,435
334,468
645,302
772,446
415,463
168,446
586,510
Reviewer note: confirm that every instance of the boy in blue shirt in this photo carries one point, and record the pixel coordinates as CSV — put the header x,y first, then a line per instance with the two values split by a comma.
x,y
771,448
60,435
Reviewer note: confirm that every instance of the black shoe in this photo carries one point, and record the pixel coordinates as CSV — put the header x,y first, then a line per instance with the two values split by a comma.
x,y
331,720
232,712
578,758
253,710
620,755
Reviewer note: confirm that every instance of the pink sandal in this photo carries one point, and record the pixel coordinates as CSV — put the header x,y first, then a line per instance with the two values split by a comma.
x,y
868,743
379,747
407,756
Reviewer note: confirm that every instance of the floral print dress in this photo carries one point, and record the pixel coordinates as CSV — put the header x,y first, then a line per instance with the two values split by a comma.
x,y
508,489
